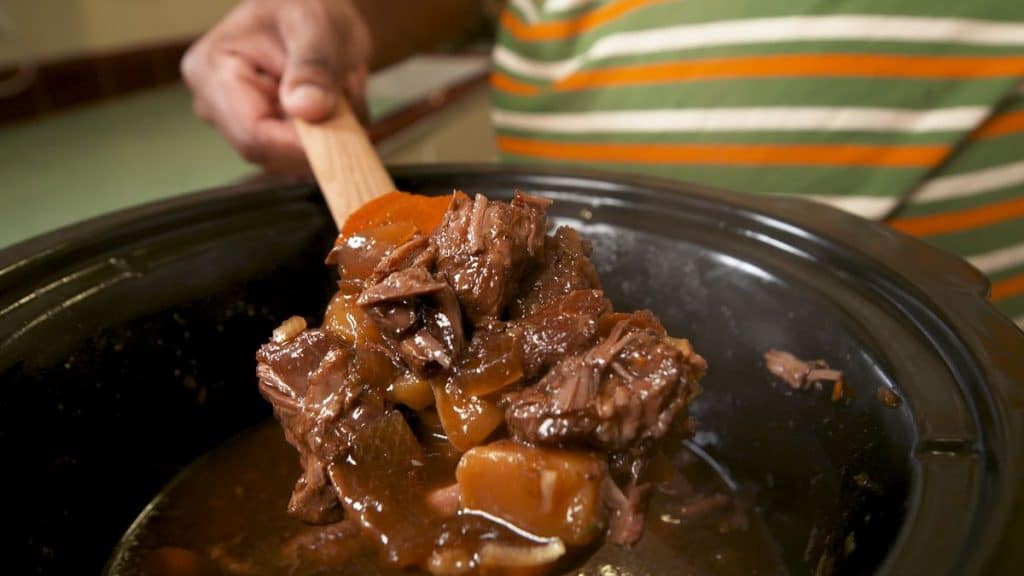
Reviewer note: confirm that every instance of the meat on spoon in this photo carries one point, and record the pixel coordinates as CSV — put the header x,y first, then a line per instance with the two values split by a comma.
x,y
471,398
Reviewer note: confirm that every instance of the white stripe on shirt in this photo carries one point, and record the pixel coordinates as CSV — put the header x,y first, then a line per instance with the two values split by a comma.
x,y
772,30
513,61
970,183
998,260
871,207
747,119
554,6
528,9
1019,321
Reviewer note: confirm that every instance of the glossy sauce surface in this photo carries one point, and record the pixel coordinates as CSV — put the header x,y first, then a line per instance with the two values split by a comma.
x,y
225,515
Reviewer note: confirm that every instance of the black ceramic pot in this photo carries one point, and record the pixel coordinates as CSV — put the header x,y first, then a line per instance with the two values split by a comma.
x,y
126,351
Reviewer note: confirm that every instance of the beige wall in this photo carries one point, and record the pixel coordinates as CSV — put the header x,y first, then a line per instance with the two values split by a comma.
x,y
50,29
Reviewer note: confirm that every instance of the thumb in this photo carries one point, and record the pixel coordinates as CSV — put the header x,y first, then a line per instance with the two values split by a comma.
x,y
311,77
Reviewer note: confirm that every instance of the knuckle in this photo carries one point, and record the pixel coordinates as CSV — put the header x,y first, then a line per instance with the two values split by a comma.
x,y
190,64
197,65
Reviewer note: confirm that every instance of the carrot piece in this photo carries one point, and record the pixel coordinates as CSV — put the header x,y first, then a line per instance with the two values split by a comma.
x,y
425,212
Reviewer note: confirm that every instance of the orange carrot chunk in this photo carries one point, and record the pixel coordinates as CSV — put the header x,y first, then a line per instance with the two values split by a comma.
x,y
424,212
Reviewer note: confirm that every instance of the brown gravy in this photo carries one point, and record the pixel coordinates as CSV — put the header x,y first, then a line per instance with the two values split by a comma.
x,y
226,515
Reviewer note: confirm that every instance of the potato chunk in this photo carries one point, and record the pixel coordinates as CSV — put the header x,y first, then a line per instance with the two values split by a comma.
x,y
346,319
548,492
467,420
411,390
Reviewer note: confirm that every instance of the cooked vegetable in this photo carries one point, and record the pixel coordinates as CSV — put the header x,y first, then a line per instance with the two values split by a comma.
x,y
467,420
347,320
288,329
548,492
500,555
411,390
444,501
494,361
423,212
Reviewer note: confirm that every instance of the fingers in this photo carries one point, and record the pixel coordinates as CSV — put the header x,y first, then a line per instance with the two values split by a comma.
x,y
270,61
244,108
312,73
327,46
358,48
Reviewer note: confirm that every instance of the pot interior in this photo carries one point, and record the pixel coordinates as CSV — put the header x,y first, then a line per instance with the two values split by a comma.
x,y
134,356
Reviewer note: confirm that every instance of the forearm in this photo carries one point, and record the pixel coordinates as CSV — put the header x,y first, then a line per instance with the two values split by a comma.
x,y
400,28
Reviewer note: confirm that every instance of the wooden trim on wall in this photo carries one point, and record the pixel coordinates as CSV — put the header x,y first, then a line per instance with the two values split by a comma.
x,y
63,83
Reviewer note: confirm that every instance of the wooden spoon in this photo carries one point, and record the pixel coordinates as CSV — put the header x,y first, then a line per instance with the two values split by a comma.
x,y
344,162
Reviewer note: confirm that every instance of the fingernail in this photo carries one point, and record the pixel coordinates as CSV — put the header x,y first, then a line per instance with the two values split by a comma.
x,y
308,101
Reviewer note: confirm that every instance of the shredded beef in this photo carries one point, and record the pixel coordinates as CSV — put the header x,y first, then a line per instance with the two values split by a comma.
x,y
626,388
801,374
517,323
483,249
628,509
563,328
313,382
565,267
414,308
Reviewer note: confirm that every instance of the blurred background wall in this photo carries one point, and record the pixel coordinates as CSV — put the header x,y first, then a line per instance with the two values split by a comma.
x,y
48,30
58,53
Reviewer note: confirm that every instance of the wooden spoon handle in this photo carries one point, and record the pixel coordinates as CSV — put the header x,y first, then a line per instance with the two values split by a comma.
x,y
344,162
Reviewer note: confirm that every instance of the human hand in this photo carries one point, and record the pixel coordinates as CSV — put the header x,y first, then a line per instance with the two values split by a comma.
x,y
268,61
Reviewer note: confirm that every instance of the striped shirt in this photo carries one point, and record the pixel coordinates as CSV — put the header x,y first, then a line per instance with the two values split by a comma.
x,y
903,110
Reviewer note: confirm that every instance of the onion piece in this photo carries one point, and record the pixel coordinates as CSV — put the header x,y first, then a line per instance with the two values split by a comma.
x,y
288,329
444,501
499,555
449,562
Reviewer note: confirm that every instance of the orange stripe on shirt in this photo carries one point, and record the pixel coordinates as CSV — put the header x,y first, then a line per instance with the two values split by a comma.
x,y
794,65
755,154
961,220
1000,125
1013,286
506,83
561,29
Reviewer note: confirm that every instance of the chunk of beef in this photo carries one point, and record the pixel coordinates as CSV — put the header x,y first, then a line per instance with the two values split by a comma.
x,y
323,392
563,328
565,267
799,374
415,309
402,285
626,389
483,249
493,323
